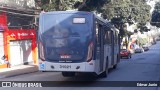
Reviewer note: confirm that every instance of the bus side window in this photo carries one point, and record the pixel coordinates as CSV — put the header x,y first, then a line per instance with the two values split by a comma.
x,y
116,37
109,38
98,28
96,32
106,37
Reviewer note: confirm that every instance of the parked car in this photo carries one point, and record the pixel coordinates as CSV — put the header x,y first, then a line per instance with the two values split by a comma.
x,y
145,48
125,53
154,42
139,50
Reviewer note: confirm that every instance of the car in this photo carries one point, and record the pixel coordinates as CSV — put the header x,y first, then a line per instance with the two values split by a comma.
x,y
153,43
145,48
139,50
158,39
125,53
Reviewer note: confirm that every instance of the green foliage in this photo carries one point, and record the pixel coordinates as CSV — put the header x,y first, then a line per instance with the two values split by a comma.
x,y
95,5
137,10
157,7
118,11
126,11
142,41
59,5
156,15
82,5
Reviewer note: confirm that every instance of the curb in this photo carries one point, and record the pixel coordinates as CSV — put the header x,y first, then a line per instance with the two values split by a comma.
x,y
9,72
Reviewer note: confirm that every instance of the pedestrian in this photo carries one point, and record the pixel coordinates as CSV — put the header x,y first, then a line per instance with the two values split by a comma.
x,y
6,61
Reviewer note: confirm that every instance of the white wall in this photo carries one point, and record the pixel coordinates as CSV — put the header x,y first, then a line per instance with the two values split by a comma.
x,y
1,48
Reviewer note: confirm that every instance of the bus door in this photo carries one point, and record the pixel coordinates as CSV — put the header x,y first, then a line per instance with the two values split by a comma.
x,y
116,47
100,47
112,47
119,46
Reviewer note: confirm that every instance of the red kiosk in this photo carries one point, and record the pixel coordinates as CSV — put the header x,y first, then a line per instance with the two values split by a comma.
x,y
17,38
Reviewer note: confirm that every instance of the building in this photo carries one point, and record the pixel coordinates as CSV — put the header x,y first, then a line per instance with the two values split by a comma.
x,y
17,33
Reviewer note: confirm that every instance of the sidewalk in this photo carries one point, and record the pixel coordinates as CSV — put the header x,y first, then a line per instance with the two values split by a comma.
x,y
17,70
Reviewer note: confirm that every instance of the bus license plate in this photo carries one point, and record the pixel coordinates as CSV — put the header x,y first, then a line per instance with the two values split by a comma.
x,y
65,66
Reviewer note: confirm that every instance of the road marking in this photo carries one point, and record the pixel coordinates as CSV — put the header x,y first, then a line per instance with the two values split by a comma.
x,y
155,48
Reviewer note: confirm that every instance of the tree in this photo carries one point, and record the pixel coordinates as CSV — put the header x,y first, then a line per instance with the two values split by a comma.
x,y
58,5
137,10
92,5
118,11
155,21
81,5
127,10
121,11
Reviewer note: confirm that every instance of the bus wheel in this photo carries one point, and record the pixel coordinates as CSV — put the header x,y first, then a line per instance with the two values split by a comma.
x,y
115,66
68,74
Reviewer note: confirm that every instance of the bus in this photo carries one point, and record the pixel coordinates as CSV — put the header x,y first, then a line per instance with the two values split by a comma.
x,y
77,42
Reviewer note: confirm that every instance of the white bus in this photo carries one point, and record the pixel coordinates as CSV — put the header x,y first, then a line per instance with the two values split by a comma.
x,y
75,42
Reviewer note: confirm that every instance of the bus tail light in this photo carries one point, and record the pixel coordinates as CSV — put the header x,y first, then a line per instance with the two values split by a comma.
x,y
41,51
90,49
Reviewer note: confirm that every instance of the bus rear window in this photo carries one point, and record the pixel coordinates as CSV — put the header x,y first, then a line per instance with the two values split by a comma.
x,y
79,20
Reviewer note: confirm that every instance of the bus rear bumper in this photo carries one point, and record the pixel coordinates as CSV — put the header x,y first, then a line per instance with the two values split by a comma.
x,y
68,67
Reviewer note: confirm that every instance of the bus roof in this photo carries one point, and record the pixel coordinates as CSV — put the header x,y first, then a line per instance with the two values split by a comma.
x,y
65,12
99,19
104,22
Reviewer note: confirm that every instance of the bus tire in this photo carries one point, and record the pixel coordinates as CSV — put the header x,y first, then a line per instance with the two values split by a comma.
x,y
118,58
68,74
115,66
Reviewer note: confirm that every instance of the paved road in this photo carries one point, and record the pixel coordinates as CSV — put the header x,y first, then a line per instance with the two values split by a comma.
x,y
141,67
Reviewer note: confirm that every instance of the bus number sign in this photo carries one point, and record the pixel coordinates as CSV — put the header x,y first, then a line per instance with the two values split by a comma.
x,y
65,66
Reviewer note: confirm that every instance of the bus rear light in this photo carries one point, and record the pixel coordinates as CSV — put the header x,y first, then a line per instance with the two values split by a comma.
x,y
90,52
41,51
65,56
